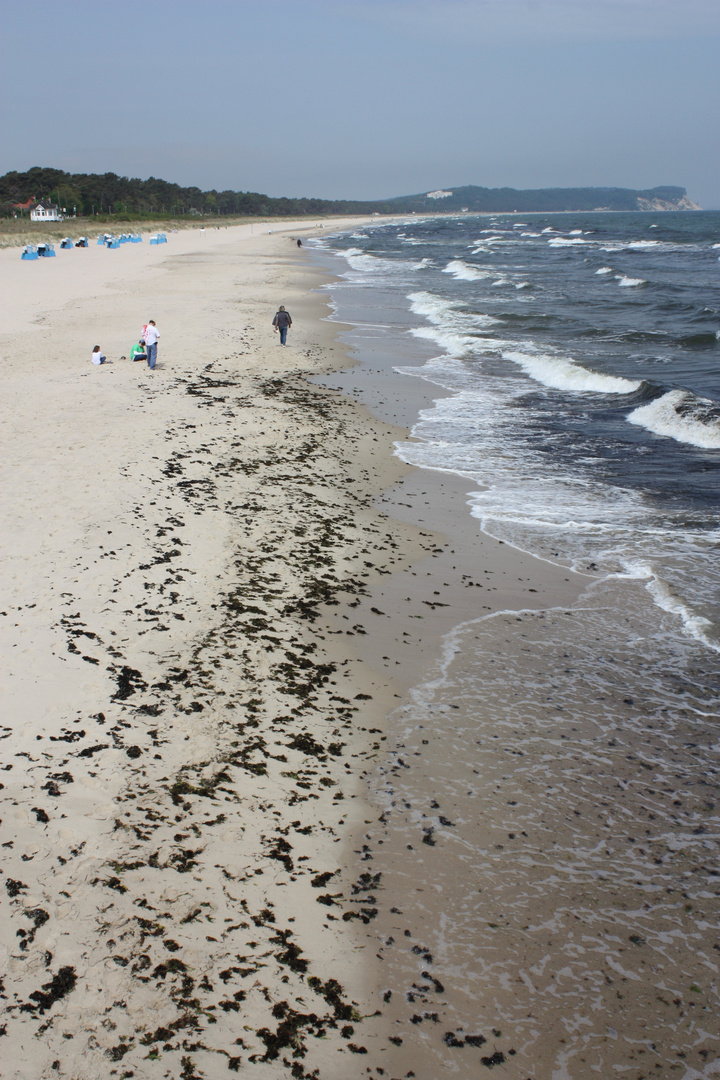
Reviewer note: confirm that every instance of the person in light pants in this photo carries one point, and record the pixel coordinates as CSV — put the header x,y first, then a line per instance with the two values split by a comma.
x,y
151,339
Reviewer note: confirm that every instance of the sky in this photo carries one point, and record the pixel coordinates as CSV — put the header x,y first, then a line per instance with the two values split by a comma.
x,y
366,99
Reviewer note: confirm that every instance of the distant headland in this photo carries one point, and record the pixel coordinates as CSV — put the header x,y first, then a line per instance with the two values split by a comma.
x,y
101,194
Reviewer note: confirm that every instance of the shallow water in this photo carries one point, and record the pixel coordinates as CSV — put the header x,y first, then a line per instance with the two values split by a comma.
x,y
565,801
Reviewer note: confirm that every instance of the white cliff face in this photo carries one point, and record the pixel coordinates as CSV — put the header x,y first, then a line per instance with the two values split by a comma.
x,y
667,204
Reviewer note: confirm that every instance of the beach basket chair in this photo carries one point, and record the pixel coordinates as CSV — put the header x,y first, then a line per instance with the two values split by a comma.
x,y
82,242
29,252
66,243
46,251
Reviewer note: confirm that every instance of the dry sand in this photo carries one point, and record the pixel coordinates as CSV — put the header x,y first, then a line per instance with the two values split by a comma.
x,y
202,640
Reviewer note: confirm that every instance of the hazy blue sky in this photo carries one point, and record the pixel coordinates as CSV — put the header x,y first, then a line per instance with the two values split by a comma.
x,y
367,98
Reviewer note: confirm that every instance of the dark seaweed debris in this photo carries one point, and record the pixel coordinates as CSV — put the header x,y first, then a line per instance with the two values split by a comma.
x,y
59,987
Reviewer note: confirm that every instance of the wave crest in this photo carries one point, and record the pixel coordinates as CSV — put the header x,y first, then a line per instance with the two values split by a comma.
x,y
682,416
562,373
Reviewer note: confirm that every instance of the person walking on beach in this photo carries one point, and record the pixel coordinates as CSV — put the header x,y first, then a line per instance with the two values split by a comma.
x,y
151,335
282,322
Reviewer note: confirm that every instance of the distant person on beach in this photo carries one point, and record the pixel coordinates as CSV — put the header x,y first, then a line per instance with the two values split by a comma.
x,y
138,351
150,336
299,243
97,356
282,322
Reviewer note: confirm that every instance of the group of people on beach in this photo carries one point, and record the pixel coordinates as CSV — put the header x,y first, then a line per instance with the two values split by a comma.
x,y
147,345
145,349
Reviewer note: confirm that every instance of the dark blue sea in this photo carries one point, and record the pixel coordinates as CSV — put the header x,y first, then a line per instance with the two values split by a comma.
x,y
578,357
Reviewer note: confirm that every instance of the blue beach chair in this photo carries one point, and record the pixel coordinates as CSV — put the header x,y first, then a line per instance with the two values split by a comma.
x,y
29,252
66,243
46,251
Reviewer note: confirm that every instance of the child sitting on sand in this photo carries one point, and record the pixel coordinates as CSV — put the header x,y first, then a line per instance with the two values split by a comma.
x,y
97,357
138,351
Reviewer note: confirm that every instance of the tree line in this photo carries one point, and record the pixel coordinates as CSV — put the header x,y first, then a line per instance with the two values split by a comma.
x,y
109,194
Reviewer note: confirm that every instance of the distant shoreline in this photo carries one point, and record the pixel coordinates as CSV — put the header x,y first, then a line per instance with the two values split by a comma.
x,y
17,233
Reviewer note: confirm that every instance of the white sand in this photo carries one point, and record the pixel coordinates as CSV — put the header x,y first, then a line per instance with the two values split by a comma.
x,y
178,761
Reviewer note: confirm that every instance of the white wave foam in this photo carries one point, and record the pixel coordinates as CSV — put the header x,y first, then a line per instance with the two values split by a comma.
x,y
565,241
629,282
455,344
697,626
681,416
694,625
367,263
562,373
530,234
431,306
605,270
448,313
633,245
464,272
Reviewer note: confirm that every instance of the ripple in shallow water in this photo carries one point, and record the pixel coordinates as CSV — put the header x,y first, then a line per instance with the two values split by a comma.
x,y
554,827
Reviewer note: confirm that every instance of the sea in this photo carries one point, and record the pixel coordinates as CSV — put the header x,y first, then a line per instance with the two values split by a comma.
x,y
572,753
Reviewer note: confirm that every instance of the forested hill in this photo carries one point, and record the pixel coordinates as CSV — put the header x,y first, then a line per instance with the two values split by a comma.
x,y
544,199
107,193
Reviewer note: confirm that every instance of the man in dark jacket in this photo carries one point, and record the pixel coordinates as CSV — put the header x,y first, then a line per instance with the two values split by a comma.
x,y
282,322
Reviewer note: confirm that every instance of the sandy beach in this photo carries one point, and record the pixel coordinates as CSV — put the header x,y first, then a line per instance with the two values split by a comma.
x,y
219,586
182,745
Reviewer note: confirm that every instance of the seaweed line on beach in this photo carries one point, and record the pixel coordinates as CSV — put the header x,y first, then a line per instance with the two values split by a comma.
x,y
256,717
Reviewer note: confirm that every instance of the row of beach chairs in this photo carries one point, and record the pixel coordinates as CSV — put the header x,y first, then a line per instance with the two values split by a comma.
x,y
45,251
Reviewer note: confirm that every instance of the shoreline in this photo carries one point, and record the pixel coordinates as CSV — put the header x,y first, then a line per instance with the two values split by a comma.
x,y
53,232
166,545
